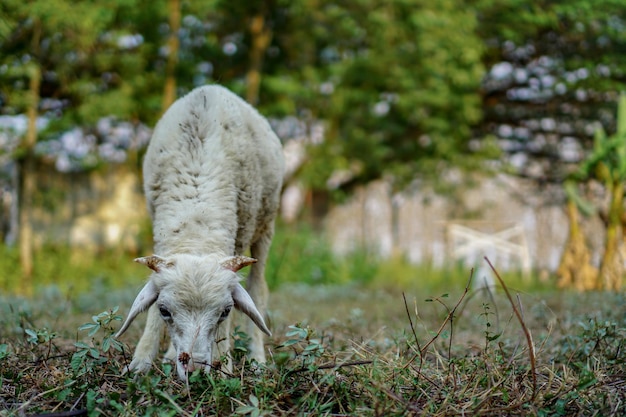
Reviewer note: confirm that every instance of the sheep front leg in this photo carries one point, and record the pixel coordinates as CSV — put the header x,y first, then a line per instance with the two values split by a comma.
x,y
257,288
221,350
148,346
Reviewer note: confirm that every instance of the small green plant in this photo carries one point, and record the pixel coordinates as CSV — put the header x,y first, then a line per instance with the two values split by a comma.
x,y
4,351
100,322
603,339
241,341
253,409
303,345
490,336
41,336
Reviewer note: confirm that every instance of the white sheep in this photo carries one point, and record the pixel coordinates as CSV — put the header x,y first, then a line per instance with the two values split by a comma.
x,y
212,177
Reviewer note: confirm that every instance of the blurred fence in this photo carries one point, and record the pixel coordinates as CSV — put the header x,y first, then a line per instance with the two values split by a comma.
x,y
511,221
417,224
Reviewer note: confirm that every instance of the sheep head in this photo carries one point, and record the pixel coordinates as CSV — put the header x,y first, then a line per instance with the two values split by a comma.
x,y
194,295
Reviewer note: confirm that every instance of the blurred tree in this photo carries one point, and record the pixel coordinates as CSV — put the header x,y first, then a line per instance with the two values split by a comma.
x,y
57,61
27,26
575,268
397,82
607,165
27,167
554,73
246,32
173,45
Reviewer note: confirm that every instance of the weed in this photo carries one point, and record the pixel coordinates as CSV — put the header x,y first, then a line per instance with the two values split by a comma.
x,y
306,349
339,351
489,335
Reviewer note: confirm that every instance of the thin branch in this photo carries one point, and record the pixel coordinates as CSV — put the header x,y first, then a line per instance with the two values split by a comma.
x,y
449,317
408,314
529,338
331,366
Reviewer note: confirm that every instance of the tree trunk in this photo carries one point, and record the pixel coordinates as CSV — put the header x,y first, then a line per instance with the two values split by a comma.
x,y
28,171
261,38
173,45
575,269
611,269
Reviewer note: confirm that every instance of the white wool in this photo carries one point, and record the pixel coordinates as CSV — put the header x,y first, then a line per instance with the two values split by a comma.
x,y
212,178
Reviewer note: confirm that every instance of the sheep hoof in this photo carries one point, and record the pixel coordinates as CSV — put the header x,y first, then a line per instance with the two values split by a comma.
x,y
138,365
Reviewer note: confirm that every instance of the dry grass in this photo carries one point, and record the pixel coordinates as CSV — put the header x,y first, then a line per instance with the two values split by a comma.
x,y
339,351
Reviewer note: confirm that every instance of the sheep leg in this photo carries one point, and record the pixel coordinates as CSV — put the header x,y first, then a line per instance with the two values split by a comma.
x,y
221,350
170,354
148,346
257,288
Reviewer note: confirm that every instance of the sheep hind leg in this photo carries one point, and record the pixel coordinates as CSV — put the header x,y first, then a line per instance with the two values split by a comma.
x,y
257,288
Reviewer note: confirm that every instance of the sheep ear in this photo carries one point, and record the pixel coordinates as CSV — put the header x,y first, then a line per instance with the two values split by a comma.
x,y
146,297
235,263
155,262
244,303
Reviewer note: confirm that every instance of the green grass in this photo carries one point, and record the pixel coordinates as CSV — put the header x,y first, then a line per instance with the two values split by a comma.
x,y
336,350
352,336
298,255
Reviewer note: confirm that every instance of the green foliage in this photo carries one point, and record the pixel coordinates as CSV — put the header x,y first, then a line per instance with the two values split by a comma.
x,y
241,341
70,269
607,161
315,259
416,362
4,351
490,336
563,65
402,89
303,345
39,336
88,356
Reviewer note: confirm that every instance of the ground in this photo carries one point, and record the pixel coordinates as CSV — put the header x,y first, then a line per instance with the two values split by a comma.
x,y
335,350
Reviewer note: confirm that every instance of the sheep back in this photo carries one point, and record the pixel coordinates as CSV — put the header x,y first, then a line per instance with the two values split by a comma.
x,y
212,174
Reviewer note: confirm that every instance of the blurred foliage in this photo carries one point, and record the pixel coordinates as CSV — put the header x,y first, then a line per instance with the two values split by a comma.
x,y
400,85
403,87
563,69
298,255
70,269
606,165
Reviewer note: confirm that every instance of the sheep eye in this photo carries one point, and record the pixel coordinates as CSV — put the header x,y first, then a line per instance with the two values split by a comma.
x,y
225,313
165,313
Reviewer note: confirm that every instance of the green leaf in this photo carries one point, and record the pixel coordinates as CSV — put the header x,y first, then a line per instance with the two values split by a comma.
x,y
245,410
289,342
493,337
106,344
4,351
93,331
88,326
82,345
77,361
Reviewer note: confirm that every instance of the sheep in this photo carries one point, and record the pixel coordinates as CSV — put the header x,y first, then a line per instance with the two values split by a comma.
x,y
213,174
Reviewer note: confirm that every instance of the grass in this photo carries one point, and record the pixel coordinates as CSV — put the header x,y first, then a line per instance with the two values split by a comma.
x,y
353,348
352,336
